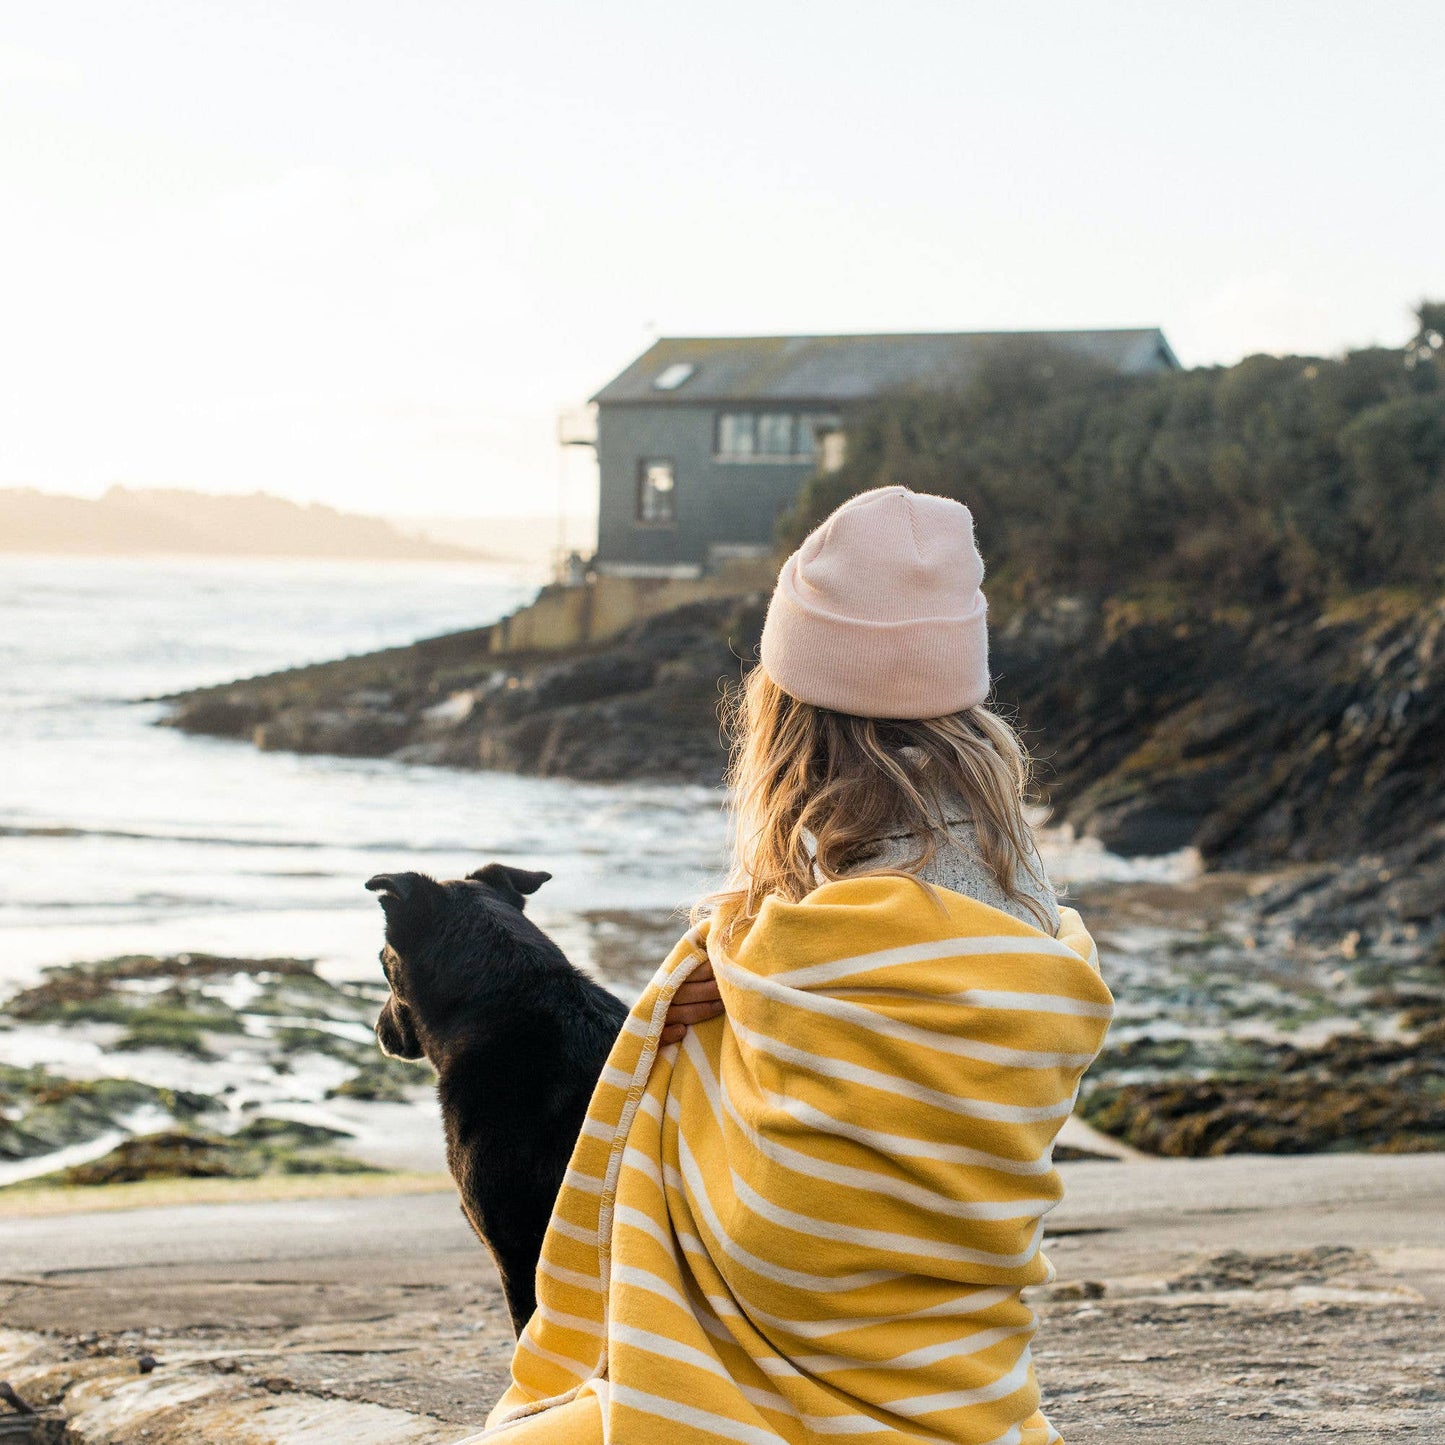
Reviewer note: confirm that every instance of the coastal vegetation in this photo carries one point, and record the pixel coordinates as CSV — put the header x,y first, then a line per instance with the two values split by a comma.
x,y
1279,478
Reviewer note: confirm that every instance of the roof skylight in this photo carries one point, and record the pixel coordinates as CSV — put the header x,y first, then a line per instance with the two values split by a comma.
x,y
672,377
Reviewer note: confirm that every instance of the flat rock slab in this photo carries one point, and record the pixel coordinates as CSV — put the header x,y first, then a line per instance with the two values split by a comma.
x,y
106,1402
1203,1302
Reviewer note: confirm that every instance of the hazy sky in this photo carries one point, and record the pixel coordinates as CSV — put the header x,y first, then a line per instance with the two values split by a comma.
x,y
363,252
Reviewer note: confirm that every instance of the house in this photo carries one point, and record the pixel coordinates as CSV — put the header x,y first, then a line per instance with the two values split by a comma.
x,y
702,441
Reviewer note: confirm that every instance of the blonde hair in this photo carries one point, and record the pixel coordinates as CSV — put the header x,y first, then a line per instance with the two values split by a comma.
x,y
798,770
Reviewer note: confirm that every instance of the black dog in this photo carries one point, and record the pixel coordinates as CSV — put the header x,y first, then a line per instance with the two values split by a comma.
x,y
517,1037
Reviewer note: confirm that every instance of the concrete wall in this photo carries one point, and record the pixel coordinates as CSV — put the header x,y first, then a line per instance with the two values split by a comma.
x,y
717,501
570,616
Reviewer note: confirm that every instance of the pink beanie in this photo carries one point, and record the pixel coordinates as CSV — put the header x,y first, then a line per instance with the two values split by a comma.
x,y
879,612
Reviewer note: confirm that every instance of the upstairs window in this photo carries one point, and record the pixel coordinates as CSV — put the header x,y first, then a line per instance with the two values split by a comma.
x,y
737,433
656,494
772,436
814,429
775,434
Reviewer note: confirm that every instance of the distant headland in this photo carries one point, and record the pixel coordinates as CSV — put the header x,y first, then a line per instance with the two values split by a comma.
x,y
129,521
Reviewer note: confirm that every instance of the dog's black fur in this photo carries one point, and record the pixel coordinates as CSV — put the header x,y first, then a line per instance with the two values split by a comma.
x,y
517,1037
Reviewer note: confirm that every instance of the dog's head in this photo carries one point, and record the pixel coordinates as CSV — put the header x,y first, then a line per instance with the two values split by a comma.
x,y
437,936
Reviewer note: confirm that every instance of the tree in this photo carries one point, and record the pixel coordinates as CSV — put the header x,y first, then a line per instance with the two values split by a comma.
x,y
1277,477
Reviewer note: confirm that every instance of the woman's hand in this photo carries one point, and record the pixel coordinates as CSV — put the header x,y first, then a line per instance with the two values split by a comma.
x,y
696,1000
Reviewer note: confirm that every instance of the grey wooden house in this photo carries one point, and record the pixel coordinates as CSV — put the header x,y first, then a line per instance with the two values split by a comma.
x,y
702,441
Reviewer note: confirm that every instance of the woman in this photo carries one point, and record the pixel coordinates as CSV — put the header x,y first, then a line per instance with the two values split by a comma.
x,y
815,1216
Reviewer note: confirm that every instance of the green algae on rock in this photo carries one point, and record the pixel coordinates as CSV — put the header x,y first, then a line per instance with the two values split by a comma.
x,y
41,1112
1353,1093
265,1146
236,1028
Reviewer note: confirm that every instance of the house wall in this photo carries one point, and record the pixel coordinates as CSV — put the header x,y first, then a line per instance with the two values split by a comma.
x,y
728,503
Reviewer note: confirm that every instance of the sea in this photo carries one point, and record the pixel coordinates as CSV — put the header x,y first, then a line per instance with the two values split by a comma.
x,y
119,836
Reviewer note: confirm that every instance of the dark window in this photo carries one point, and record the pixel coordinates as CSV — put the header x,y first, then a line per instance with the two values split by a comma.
x,y
656,494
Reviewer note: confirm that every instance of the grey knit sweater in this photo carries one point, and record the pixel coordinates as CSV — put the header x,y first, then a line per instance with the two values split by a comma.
x,y
960,866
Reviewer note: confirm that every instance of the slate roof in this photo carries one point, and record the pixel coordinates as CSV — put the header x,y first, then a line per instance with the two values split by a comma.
x,y
841,369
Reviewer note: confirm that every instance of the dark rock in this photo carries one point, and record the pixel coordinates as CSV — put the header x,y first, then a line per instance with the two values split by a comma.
x,y
1145,826
66,992
1356,1093
643,705
1198,1118
1259,740
222,716
1072,1154
168,1155
178,1154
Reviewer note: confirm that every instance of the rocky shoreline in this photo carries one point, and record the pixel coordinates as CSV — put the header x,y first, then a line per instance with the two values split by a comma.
x,y
1295,737
1231,1037
1241,1034
642,707
1298,749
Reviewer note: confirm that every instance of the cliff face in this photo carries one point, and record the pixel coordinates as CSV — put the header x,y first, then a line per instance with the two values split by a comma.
x,y
1261,739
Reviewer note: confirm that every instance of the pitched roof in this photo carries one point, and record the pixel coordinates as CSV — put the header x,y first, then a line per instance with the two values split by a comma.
x,y
849,368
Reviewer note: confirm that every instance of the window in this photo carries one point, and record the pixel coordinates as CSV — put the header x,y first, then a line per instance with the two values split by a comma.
x,y
656,494
672,377
772,436
775,434
813,428
736,434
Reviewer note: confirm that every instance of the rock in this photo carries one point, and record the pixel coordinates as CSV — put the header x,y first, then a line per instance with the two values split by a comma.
x,y
168,1155
271,1009
268,1146
41,1112
1356,1092
76,991
644,705
1256,739
1234,1269
1146,825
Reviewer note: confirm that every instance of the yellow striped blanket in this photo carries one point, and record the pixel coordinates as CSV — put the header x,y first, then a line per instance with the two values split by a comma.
x,y
814,1217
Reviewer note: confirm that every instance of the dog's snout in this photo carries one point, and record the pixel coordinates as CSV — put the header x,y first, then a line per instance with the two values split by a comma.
x,y
396,1033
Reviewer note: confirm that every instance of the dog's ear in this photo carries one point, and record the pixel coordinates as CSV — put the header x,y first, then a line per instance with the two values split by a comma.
x,y
410,902
511,883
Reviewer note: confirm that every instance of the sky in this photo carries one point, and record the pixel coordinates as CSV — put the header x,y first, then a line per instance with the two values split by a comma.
x,y
364,253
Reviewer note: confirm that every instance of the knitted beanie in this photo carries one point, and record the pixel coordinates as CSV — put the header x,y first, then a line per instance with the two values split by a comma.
x,y
879,612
